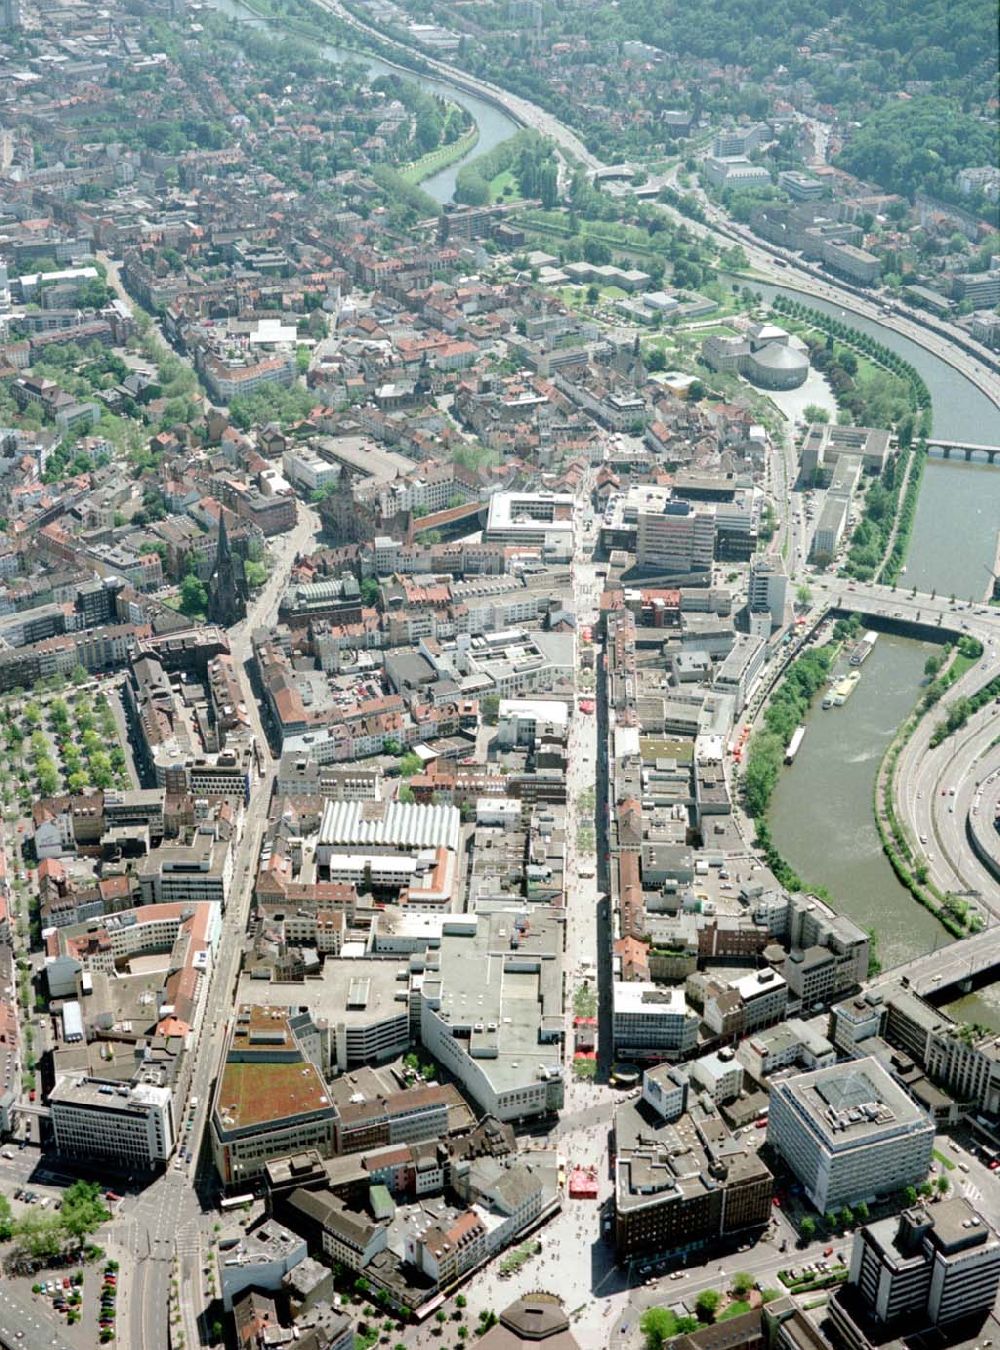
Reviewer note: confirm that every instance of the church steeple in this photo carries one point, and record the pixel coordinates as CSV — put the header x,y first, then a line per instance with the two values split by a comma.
x,y
227,585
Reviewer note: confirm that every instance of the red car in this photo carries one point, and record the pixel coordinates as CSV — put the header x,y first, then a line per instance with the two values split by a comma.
x,y
776,1202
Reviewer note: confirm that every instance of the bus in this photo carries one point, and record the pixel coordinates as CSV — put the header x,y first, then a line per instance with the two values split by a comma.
x,y
236,1202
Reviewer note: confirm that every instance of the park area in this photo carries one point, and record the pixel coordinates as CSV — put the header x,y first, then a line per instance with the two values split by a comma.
x,y
55,744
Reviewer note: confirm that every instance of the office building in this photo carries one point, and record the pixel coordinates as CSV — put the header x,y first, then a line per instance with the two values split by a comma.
x,y
683,1185
271,1100
739,670
128,1124
768,591
678,538
849,1133
308,470
829,529
824,443
665,1091
187,873
259,1260
719,1075
523,721
927,1268
652,1022
541,520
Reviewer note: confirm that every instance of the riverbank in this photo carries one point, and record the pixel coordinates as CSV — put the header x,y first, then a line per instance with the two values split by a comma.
x,y
951,911
820,817
441,158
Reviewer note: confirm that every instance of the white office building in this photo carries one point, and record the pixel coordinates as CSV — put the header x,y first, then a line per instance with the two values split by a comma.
x,y
652,1022
130,1124
849,1133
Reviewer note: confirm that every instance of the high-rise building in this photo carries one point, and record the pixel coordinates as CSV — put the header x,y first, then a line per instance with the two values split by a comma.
x,y
927,1268
227,603
849,1133
677,539
768,591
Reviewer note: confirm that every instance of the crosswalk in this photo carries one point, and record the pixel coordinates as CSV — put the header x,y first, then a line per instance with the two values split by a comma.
x,y
188,1241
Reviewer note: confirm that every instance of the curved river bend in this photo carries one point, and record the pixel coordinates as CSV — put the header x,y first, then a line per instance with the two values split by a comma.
x,y
494,125
822,814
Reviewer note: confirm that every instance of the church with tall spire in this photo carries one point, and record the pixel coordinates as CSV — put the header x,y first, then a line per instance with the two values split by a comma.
x,y
227,588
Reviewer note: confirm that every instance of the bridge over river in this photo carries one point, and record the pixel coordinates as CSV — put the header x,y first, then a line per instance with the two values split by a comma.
x,y
961,966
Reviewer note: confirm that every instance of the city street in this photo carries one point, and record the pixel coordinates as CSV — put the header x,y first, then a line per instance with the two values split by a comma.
x,y
166,1220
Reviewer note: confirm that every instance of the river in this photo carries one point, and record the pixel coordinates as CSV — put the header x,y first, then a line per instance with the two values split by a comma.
x,y
494,126
821,817
822,814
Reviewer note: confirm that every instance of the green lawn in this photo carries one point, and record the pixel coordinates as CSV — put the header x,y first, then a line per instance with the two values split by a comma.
x,y
502,181
943,1160
735,1309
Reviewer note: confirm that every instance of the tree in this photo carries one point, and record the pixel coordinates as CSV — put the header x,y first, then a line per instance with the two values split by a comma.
x,y
808,1228
83,1209
658,1326
943,1185
489,707
6,1219
194,597
369,591
39,1235
862,1212
812,412
706,1305
830,1218
847,1217
742,1283
804,596
410,764
910,1195
461,1301
255,573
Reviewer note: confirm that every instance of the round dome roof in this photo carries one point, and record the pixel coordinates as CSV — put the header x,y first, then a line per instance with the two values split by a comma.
x,y
776,356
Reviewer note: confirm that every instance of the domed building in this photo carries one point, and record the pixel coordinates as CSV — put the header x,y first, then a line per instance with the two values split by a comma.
x,y
765,357
777,366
